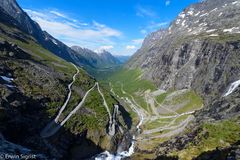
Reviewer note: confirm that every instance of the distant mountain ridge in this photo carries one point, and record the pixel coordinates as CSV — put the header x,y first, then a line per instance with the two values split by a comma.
x,y
12,14
97,60
122,59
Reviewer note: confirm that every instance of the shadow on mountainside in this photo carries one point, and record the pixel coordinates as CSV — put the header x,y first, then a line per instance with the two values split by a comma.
x,y
126,116
229,153
24,109
23,118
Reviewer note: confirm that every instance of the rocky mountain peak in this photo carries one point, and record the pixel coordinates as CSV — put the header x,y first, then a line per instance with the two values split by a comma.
x,y
80,49
98,58
167,56
103,52
100,51
11,8
208,17
153,37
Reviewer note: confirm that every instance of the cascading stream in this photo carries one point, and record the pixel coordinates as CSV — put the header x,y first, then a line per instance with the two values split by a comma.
x,y
123,154
232,88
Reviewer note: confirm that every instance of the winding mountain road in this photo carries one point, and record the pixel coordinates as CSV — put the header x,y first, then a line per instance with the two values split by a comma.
x,y
136,108
150,100
78,106
176,130
111,119
170,126
69,95
53,127
55,121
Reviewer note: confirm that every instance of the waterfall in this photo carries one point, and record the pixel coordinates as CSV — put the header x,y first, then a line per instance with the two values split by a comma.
x,y
123,154
106,155
232,88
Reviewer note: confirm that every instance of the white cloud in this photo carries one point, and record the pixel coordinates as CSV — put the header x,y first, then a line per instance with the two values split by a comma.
x,y
106,47
167,3
72,32
107,31
143,12
34,14
128,47
143,31
102,48
58,14
137,41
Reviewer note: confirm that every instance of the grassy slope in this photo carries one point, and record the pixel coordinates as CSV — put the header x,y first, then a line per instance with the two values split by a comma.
x,y
102,73
220,134
132,84
82,84
190,98
98,116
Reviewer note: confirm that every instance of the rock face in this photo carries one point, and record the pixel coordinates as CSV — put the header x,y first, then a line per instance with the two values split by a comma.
x,y
19,18
200,50
108,57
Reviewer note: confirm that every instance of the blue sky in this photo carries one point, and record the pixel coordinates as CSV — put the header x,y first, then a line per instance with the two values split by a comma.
x,y
118,26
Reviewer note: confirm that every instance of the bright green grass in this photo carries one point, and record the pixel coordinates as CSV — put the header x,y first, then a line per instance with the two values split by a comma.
x,y
97,116
158,123
117,90
192,100
132,84
160,98
219,134
180,119
164,122
131,80
93,103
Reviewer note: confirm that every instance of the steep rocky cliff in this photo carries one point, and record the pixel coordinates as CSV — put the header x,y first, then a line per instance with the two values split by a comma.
x,y
199,51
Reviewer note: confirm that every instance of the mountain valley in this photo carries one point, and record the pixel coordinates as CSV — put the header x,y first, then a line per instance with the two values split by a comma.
x,y
177,97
